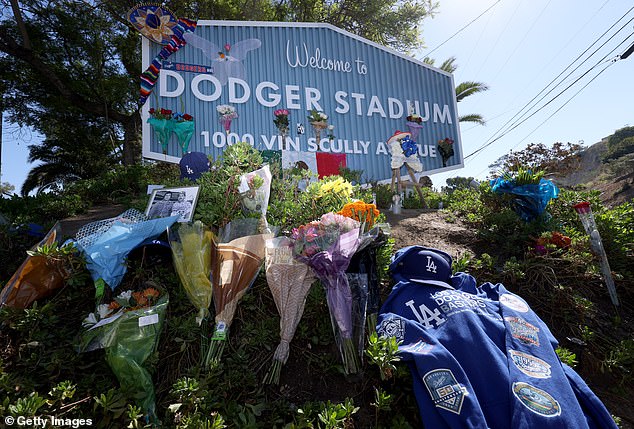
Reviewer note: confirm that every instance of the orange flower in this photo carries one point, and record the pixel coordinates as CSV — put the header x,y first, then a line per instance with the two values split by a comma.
x,y
360,211
151,293
114,305
140,298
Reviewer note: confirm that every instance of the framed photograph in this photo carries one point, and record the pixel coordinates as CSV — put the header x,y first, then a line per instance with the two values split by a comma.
x,y
173,201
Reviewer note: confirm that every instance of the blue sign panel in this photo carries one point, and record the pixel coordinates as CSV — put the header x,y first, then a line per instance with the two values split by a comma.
x,y
232,76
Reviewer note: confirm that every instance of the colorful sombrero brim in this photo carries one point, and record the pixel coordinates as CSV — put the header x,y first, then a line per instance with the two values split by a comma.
x,y
153,21
399,135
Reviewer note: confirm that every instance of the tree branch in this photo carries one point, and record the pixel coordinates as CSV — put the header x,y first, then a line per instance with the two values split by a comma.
x,y
11,47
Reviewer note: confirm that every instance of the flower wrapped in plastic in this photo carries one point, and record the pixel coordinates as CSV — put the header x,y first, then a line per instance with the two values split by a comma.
x,y
183,126
255,190
128,327
161,122
227,113
41,273
362,273
326,246
107,243
191,246
290,282
584,211
532,192
282,124
319,121
236,261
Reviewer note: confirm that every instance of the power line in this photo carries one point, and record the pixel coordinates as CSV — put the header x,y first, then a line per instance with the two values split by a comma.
x,y
529,106
510,125
459,31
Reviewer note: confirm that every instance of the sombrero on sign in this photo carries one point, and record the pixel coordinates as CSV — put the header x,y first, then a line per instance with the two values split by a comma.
x,y
153,21
399,135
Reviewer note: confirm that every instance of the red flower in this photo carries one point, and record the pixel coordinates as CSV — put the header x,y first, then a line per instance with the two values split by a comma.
x,y
166,112
152,111
187,117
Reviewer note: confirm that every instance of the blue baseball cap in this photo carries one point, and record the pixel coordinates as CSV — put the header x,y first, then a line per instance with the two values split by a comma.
x,y
422,265
193,164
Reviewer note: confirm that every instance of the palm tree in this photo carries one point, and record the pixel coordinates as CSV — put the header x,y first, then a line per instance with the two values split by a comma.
x,y
463,90
72,150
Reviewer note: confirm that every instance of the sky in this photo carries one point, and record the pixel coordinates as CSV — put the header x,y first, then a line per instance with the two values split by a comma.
x,y
518,48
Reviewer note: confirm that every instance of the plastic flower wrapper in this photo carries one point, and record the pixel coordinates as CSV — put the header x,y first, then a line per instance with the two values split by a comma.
x,y
183,126
128,327
39,275
290,282
362,273
226,113
364,280
107,243
162,124
531,199
584,211
236,261
191,252
255,189
326,246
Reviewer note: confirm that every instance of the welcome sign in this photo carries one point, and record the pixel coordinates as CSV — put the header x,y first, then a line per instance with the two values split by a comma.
x,y
256,68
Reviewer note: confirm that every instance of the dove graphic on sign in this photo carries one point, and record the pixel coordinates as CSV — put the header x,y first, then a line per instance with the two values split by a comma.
x,y
227,62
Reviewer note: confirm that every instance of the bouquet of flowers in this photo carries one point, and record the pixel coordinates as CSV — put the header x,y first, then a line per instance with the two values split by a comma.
x,y
43,271
237,258
281,122
162,124
227,114
255,190
445,147
191,253
362,272
128,327
331,193
107,243
290,282
551,241
183,127
531,191
319,121
326,246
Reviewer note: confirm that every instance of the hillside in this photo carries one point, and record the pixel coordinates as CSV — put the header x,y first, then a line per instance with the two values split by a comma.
x,y
615,180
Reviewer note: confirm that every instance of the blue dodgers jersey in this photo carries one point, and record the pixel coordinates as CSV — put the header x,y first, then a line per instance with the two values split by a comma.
x,y
481,358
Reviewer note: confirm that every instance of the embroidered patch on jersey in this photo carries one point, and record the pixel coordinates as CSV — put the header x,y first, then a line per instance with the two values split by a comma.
x,y
445,391
523,331
514,303
392,328
530,365
536,400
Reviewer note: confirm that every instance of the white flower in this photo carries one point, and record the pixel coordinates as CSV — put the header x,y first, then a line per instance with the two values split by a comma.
x,y
331,127
323,116
225,109
103,310
125,296
90,320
